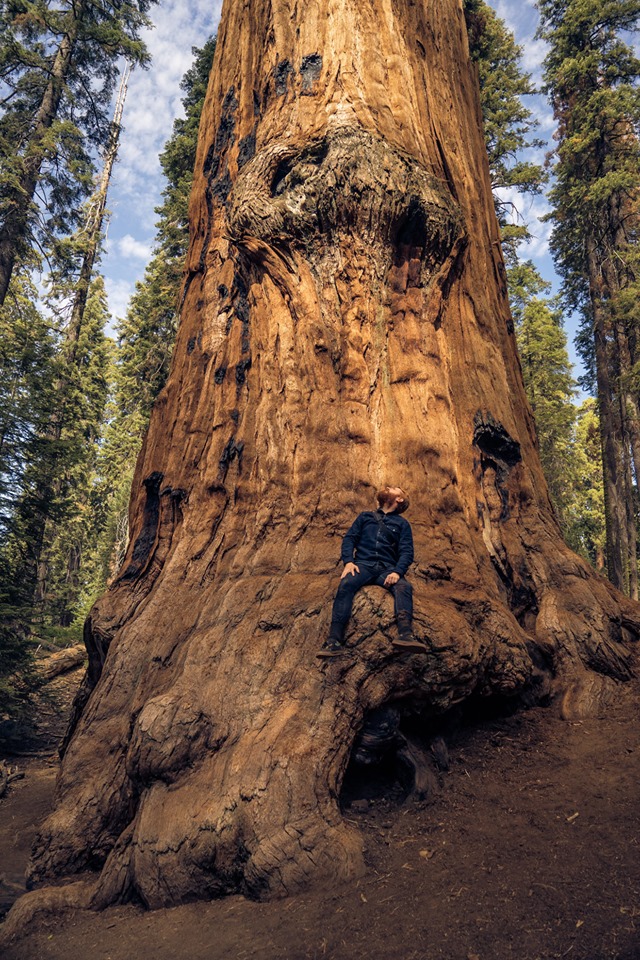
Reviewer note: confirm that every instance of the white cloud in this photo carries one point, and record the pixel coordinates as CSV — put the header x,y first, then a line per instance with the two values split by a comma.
x,y
154,96
118,295
543,113
522,19
153,102
538,247
533,53
131,248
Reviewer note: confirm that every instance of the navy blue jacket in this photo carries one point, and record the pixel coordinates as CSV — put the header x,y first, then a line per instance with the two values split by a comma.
x,y
388,544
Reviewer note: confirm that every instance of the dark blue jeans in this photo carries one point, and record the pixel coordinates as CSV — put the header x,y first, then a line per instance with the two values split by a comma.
x,y
349,586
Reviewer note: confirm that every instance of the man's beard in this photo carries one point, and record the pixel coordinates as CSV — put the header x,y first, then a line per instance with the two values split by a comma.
x,y
385,499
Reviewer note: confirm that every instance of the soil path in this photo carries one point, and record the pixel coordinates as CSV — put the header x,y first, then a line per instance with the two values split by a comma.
x,y
530,851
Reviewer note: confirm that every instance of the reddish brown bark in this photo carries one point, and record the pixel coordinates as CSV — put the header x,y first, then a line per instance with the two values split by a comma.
x,y
344,323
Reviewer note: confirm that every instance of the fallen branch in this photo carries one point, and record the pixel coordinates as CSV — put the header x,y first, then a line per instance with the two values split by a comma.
x,y
62,662
7,776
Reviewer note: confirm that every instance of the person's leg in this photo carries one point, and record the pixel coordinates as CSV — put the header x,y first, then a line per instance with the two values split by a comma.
x,y
403,605
347,589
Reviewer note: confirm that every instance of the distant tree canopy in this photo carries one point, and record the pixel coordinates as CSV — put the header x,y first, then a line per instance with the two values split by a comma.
x,y
591,77
550,387
146,335
58,68
508,124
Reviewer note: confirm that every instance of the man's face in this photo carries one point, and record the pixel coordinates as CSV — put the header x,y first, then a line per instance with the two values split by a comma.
x,y
390,497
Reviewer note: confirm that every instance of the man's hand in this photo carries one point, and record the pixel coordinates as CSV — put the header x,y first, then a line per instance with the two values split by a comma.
x,y
391,579
349,568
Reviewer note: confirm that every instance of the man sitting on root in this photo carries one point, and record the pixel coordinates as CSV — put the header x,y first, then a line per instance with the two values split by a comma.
x,y
377,549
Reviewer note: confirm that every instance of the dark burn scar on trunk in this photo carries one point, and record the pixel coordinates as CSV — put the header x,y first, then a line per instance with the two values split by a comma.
x,y
233,451
493,440
242,310
215,165
246,149
498,451
147,535
241,370
281,73
224,134
310,70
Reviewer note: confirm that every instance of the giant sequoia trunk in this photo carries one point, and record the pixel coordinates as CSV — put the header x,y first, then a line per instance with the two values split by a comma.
x,y
344,324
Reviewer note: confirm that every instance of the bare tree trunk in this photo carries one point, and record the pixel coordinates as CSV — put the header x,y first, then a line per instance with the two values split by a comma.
x,y
611,434
344,323
631,431
92,229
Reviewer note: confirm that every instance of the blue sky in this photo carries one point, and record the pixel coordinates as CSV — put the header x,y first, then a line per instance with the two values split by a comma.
x,y
154,100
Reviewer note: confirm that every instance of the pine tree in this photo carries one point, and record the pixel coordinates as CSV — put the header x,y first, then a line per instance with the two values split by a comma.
x,y
45,480
57,468
584,513
546,369
69,540
28,370
58,67
591,74
508,123
146,335
27,373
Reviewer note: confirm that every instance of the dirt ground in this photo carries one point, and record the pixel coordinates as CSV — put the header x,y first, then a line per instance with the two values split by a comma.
x,y
530,851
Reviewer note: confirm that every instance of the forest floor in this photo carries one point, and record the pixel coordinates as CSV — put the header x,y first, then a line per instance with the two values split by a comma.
x,y
529,851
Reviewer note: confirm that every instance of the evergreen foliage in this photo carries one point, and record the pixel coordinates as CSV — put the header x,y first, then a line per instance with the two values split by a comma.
x,y
28,368
584,515
508,123
146,336
551,389
591,75
27,375
85,388
50,430
58,67
46,468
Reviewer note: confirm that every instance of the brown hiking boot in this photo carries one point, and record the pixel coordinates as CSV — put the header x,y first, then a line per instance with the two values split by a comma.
x,y
409,644
331,648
